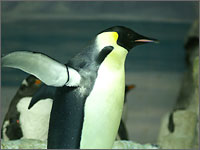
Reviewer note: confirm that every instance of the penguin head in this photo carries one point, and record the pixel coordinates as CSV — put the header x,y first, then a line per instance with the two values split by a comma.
x,y
29,86
122,36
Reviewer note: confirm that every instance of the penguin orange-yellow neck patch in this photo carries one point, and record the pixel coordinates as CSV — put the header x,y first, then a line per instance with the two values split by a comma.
x,y
107,39
114,36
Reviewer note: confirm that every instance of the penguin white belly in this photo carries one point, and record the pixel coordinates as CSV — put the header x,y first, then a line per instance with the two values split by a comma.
x,y
103,108
35,122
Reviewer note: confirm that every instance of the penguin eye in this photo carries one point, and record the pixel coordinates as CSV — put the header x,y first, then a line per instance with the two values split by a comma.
x,y
130,35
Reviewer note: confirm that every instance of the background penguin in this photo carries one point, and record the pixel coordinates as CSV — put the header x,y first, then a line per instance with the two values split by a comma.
x,y
122,132
82,108
20,122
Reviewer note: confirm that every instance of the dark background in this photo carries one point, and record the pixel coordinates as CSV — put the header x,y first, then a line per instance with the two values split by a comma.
x,y
61,29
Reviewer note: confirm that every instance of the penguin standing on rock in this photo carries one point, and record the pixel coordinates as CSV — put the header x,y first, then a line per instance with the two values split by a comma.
x,y
83,114
20,122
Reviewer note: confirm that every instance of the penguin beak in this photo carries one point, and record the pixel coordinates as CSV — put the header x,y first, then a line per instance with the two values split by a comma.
x,y
134,39
142,40
131,87
146,41
37,82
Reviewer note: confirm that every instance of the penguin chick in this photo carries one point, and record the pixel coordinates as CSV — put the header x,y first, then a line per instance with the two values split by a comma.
x,y
20,122
83,114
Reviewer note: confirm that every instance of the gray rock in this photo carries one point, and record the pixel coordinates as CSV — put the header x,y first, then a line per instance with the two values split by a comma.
x,y
24,144
132,145
37,144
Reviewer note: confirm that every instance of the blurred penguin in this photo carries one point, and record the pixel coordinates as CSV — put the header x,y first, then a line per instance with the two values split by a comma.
x,y
122,132
19,122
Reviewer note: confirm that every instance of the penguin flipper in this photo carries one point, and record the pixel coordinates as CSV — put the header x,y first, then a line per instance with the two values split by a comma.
x,y
43,67
42,93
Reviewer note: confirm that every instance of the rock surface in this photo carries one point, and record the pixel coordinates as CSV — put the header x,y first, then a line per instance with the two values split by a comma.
x,y
133,145
37,144
23,144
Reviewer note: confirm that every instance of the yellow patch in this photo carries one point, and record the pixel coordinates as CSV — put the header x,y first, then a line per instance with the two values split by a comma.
x,y
107,39
115,36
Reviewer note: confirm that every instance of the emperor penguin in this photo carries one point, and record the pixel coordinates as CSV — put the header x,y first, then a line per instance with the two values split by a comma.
x,y
122,132
90,89
19,122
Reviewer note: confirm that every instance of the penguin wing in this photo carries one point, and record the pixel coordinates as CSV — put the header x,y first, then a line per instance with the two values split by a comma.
x,y
43,67
42,93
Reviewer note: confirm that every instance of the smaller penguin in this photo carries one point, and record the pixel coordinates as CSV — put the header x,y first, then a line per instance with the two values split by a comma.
x,y
122,132
20,122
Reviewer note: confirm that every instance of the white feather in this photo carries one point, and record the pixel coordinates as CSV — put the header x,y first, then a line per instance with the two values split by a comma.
x,y
35,121
43,67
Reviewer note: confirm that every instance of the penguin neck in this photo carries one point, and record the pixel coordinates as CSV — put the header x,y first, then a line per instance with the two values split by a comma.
x,y
116,59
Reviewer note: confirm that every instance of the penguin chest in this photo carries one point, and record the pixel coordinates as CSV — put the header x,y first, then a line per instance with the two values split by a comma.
x,y
103,109
34,121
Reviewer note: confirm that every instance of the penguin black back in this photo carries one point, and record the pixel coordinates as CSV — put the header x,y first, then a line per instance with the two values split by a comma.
x,y
68,106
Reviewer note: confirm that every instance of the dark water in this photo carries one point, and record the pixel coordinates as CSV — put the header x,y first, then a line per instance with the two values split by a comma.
x,y
61,39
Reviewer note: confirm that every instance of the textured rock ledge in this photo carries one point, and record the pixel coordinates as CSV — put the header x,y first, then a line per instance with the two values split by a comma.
x,y
37,144
23,144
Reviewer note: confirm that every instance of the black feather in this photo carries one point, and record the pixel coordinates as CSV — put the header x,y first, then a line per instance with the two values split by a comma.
x,y
42,93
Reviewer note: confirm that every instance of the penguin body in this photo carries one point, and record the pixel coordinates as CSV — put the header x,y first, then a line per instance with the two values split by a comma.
x,y
69,109
11,128
85,107
90,89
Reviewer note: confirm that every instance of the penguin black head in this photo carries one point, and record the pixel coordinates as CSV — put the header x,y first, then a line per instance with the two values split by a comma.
x,y
126,37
